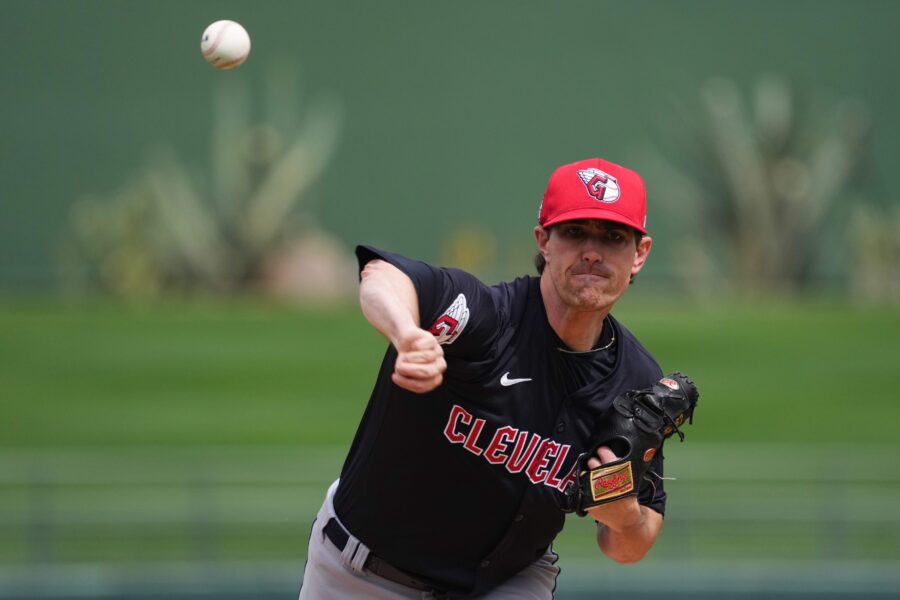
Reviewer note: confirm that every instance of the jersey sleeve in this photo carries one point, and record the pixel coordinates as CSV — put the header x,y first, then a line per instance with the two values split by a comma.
x,y
647,372
455,306
652,493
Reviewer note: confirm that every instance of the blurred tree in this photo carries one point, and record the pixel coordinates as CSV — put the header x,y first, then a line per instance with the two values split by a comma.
x,y
876,272
161,233
471,247
759,186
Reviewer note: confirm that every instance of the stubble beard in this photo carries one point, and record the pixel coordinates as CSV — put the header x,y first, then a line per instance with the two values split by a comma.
x,y
586,295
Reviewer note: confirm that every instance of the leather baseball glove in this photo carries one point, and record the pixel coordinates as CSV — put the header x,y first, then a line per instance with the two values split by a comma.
x,y
634,429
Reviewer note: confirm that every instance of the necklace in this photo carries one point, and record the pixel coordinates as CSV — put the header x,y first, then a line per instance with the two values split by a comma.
x,y
612,340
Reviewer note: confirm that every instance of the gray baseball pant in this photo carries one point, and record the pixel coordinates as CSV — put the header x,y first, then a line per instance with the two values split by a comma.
x,y
334,575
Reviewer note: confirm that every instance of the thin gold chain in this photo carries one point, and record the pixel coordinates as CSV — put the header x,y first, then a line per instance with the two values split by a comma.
x,y
612,341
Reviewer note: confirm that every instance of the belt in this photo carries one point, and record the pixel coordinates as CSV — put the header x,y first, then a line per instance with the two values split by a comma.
x,y
338,536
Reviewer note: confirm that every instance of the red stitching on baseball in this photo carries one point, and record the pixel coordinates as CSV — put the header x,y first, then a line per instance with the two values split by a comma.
x,y
217,40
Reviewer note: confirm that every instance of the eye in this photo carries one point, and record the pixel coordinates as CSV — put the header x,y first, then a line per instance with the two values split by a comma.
x,y
615,235
573,232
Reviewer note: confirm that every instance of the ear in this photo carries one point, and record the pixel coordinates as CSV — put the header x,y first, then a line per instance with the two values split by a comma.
x,y
542,236
640,256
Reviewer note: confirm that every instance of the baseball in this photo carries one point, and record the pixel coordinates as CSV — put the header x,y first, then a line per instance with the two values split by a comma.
x,y
225,44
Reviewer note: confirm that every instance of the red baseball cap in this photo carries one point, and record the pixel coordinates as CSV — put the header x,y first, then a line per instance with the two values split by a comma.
x,y
595,189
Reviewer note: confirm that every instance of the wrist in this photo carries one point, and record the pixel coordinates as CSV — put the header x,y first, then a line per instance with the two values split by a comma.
x,y
402,333
621,516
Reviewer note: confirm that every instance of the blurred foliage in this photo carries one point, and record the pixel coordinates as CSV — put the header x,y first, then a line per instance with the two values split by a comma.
x,y
765,186
471,247
250,226
876,235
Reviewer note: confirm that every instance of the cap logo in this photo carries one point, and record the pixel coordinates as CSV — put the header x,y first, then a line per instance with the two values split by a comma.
x,y
602,186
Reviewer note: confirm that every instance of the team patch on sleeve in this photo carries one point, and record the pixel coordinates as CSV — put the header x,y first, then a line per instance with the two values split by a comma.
x,y
449,325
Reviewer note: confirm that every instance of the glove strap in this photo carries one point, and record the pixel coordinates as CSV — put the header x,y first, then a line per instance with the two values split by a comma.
x,y
610,482
599,486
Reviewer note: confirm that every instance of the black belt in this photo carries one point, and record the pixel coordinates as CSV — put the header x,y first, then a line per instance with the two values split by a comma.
x,y
338,536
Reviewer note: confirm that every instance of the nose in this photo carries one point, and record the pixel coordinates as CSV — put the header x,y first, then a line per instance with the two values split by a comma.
x,y
591,250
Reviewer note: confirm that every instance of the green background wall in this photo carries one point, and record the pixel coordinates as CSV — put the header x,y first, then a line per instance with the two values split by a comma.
x,y
454,113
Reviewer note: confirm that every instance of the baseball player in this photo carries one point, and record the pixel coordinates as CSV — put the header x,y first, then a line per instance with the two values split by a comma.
x,y
455,484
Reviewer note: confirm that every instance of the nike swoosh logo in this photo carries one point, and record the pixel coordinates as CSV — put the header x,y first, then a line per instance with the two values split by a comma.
x,y
505,381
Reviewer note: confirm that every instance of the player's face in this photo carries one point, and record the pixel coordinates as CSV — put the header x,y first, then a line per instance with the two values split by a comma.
x,y
590,262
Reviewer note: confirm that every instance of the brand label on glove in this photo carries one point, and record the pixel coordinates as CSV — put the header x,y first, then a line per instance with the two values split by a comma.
x,y
609,482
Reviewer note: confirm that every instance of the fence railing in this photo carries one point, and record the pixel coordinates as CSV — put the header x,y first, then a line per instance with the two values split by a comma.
x,y
233,522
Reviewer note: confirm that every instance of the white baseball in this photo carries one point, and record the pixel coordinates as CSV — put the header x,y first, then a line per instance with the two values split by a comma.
x,y
225,44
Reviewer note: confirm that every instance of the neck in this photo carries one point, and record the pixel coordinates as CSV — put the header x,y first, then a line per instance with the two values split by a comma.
x,y
578,329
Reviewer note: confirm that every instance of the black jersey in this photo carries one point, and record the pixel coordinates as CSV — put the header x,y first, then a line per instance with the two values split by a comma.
x,y
463,485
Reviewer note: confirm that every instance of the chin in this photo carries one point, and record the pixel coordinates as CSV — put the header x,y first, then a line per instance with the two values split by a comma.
x,y
590,300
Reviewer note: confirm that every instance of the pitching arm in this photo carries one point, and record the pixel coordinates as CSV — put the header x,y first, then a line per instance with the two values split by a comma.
x,y
389,302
